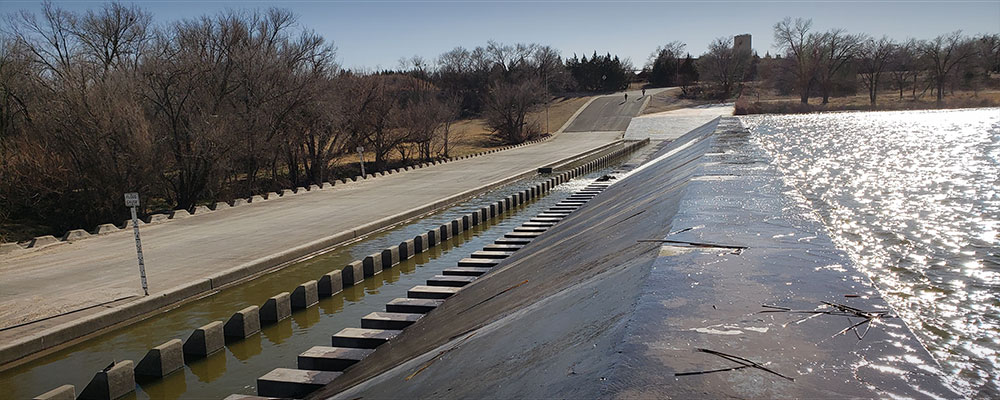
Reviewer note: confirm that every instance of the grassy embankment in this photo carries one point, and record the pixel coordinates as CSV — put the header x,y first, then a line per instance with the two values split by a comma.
x,y
771,103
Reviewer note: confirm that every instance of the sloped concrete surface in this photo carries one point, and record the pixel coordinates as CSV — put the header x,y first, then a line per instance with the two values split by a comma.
x,y
618,298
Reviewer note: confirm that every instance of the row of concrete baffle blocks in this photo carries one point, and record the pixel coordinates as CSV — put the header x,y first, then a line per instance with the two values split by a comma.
x,y
321,364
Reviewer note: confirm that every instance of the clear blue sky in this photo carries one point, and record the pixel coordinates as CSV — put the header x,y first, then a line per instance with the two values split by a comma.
x,y
372,34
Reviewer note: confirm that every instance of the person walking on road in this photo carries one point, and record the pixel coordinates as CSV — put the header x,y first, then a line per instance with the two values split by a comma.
x,y
643,92
626,97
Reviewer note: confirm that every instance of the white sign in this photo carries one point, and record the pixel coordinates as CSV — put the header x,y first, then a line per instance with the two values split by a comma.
x,y
131,199
360,149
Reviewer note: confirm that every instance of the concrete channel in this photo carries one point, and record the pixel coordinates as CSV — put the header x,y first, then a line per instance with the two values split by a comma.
x,y
274,309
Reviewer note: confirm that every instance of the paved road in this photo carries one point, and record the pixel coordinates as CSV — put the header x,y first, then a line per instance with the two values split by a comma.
x,y
611,112
71,276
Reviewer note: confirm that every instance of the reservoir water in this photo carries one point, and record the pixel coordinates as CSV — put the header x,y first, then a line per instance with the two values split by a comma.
x,y
914,198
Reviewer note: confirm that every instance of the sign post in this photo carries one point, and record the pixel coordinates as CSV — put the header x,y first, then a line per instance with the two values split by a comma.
x,y
361,155
132,201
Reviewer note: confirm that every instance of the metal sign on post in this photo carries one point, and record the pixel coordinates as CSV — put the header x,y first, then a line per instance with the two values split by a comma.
x,y
361,155
132,201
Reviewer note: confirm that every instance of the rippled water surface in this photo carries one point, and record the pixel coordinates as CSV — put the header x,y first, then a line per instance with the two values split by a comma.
x,y
914,198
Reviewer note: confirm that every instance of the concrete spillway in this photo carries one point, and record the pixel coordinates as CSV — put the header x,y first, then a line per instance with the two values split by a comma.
x,y
697,275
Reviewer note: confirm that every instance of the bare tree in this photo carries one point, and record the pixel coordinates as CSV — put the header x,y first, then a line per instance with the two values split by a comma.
x,y
903,65
507,106
943,54
90,135
724,66
664,63
796,41
873,56
836,50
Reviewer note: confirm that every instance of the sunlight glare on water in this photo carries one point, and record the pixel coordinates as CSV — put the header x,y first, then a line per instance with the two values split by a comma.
x,y
913,198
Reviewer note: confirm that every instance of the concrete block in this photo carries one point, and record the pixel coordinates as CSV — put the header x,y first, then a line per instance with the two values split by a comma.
x,y
305,295
420,243
358,178
407,249
503,247
526,235
493,255
390,257
326,358
299,190
417,306
243,323
42,241
239,202
75,234
517,241
433,238
353,274
465,271
450,280
64,392
330,284
205,340
128,223
202,210
456,227
369,176
278,307
361,338
372,265
284,192
388,320
478,262
9,247
154,218
162,360
293,383
475,218
105,228
178,214
256,199
272,195
114,382
314,187
445,231
346,180
429,292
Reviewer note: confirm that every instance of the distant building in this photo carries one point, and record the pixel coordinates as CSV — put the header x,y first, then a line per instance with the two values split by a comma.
x,y
742,43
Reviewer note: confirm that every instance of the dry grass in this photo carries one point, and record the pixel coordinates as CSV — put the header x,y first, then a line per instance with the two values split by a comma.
x,y
470,136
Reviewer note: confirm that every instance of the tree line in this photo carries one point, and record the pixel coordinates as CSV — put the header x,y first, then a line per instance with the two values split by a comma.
x,y
810,64
98,103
